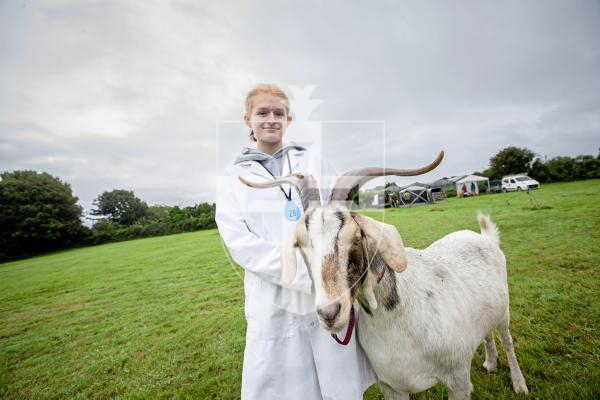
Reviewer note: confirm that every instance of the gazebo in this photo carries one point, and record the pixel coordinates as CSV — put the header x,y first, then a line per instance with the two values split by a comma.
x,y
414,194
469,185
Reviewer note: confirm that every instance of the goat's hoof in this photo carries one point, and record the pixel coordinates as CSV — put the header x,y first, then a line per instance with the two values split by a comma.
x,y
490,366
521,387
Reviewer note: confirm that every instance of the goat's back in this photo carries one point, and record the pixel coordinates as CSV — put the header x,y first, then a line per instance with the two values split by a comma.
x,y
468,254
464,277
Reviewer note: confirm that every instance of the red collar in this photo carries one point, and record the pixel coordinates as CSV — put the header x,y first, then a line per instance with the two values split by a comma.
x,y
348,330
352,320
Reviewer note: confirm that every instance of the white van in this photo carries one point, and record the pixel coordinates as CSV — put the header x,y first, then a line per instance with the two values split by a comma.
x,y
518,182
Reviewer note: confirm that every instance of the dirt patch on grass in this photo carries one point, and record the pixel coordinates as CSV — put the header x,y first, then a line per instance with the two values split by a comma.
x,y
538,207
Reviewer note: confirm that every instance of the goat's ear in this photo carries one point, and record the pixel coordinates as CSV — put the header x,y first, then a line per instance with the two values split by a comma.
x,y
288,259
367,291
385,239
289,263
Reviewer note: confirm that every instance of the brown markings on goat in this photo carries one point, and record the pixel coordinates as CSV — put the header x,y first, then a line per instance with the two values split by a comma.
x,y
440,273
355,272
483,254
331,262
483,224
353,255
329,273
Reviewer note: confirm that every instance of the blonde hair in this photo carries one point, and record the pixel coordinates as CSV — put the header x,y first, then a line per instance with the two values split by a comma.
x,y
266,88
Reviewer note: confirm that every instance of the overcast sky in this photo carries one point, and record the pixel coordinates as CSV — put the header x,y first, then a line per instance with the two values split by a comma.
x,y
127,94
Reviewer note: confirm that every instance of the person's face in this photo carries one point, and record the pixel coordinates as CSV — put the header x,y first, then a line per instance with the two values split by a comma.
x,y
268,118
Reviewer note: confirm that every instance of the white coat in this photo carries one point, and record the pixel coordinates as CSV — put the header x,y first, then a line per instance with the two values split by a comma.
x,y
288,355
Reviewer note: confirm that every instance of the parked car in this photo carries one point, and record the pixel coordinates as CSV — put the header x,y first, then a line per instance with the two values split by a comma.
x,y
496,186
518,182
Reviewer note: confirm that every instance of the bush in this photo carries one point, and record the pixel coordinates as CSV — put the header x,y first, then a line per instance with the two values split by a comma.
x,y
38,213
565,169
158,221
104,231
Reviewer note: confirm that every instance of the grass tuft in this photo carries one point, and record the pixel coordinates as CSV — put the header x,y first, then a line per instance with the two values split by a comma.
x,y
536,207
434,208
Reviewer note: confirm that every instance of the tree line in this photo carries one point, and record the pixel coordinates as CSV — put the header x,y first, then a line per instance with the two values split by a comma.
x,y
39,214
511,161
514,160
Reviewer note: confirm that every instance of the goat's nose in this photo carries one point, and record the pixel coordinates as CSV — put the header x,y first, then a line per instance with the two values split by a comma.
x,y
330,312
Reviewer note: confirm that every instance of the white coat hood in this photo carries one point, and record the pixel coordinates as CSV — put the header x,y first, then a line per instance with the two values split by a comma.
x,y
273,163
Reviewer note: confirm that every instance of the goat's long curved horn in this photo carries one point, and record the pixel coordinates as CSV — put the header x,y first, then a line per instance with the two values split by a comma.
x,y
348,183
305,183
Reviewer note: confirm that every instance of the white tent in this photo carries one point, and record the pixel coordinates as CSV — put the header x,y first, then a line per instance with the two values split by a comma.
x,y
469,185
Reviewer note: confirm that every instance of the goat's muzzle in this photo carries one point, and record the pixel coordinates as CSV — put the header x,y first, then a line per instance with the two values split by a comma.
x,y
330,313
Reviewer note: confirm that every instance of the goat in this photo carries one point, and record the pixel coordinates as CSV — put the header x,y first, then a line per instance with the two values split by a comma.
x,y
422,313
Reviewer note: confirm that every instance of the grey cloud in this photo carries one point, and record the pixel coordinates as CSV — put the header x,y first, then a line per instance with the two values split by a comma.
x,y
127,95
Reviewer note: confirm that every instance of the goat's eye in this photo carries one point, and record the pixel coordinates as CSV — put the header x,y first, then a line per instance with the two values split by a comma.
x,y
356,241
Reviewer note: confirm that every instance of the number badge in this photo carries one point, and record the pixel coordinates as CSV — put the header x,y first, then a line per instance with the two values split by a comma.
x,y
292,211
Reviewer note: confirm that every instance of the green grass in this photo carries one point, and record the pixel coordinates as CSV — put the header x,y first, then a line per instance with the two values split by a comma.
x,y
163,317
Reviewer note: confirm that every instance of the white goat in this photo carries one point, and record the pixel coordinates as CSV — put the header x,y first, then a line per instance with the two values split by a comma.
x,y
419,325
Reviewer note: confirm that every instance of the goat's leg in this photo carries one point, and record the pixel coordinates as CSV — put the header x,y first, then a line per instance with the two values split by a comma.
x,y
491,354
515,371
391,394
459,385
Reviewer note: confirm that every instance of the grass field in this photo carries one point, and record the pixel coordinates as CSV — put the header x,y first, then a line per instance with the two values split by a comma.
x,y
163,317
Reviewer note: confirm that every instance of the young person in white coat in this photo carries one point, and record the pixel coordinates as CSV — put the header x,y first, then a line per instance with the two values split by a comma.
x,y
287,356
